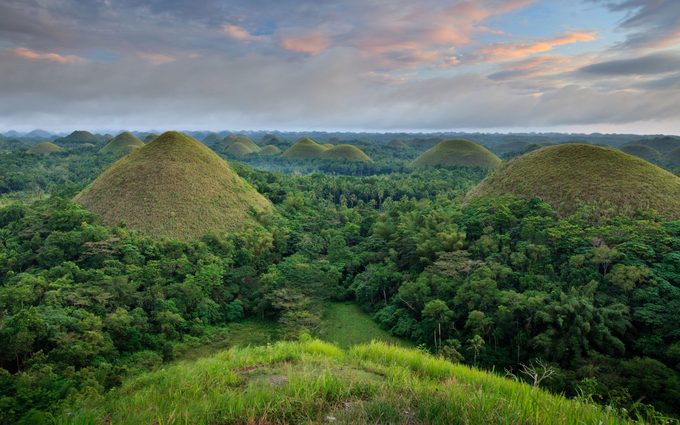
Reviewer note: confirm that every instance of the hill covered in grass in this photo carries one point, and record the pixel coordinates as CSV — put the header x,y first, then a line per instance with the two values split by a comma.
x,y
345,153
176,187
568,176
645,152
672,158
78,137
122,144
457,152
239,149
314,382
244,140
45,148
270,150
663,144
305,148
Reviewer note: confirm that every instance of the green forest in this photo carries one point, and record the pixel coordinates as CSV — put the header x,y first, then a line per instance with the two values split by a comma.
x,y
579,300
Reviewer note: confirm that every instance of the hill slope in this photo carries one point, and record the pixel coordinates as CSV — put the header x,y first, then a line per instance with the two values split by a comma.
x,y
672,159
642,151
304,148
122,144
457,152
569,175
239,149
247,141
78,137
175,187
45,148
314,382
270,150
663,144
345,153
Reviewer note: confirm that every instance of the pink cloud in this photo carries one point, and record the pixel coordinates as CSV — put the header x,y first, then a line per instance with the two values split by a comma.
x,y
310,43
156,58
239,33
46,56
514,51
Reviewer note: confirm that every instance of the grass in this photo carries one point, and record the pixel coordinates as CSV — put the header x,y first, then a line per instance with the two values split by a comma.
x,y
642,151
315,382
239,149
571,175
270,150
244,140
122,144
174,187
237,334
345,324
457,152
345,153
304,148
45,148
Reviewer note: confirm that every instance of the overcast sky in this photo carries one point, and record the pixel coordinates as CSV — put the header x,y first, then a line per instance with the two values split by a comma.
x,y
493,65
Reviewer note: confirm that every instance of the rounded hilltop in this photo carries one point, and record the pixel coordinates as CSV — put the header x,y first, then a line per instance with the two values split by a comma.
x,y
79,137
457,152
571,175
345,153
45,148
173,187
270,150
305,148
244,140
239,149
642,151
122,144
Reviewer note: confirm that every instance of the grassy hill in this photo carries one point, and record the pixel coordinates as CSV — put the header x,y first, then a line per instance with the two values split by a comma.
x,y
212,139
345,153
672,158
663,144
567,176
270,150
235,138
78,137
239,149
176,187
457,152
149,137
304,148
45,148
397,144
315,382
122,144
642,151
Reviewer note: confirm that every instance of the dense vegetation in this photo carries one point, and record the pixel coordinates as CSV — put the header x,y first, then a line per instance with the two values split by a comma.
x,y
502,283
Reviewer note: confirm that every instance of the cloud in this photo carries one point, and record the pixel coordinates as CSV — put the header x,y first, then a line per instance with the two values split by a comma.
x,y
239,33
656,63
310,43
46,56
156,58
651,24
519,50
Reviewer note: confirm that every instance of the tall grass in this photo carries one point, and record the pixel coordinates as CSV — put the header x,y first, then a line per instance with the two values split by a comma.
x,y
316,382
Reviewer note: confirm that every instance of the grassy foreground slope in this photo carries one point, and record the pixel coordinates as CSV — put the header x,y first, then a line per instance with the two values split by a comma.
x,y
568,176
314,382
176,187
457,152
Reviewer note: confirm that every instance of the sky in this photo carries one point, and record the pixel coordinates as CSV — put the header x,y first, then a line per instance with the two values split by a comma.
x,y
353,65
